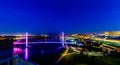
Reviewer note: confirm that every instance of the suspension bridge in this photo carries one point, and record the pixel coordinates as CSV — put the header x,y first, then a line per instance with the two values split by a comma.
x,y
62,42
18,60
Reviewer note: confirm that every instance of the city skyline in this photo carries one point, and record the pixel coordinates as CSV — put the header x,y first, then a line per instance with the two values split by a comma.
x,y
70,16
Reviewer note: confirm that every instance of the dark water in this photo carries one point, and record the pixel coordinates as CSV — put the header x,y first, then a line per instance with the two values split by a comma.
x,y
43,54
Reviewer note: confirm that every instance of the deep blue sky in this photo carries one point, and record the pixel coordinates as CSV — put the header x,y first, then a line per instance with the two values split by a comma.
x,y
55,16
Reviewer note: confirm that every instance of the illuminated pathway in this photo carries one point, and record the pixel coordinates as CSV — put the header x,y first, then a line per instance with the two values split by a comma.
x,y
75,50
63,55
66,52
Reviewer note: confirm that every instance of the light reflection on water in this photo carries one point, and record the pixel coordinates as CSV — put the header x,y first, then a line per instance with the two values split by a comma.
x,y
26,53
17,50
39,52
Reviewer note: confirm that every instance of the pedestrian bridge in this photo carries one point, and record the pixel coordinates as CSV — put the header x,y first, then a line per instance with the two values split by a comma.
x,y
27,41
37,42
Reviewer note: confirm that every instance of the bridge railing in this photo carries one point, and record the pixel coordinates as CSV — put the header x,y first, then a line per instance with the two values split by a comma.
x,y
16,60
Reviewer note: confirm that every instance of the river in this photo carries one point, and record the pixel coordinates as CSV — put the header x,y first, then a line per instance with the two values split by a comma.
x,y
43,53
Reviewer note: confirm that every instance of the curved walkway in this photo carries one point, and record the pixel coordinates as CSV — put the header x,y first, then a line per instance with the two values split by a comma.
x,y
63,55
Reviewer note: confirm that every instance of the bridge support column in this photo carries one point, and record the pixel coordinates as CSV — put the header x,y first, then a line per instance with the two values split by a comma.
x,y
63,43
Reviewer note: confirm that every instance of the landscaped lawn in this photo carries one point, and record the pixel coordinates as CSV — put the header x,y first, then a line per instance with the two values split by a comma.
x,y
76,59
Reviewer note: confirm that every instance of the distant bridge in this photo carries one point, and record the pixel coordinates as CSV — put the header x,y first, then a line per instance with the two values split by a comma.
x,y
27,42
37,42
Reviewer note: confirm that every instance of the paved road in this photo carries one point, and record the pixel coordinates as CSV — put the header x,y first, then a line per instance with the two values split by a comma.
x,y
74,49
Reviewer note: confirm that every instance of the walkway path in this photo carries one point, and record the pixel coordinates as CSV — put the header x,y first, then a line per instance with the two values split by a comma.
x,y
63,55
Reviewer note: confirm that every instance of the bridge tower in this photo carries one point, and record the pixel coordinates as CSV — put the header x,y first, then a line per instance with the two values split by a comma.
x,y
26,37
63,41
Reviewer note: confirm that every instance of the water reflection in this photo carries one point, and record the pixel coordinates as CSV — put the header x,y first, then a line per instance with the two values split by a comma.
x,y
42,51
26,53
17,51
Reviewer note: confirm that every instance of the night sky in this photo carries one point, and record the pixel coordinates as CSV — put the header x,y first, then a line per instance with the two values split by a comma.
x,y
55,16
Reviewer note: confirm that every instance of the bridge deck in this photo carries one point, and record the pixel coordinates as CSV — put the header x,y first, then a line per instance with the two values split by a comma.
x,y
37,42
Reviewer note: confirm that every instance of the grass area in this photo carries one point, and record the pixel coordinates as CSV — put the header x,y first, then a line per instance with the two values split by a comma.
x,y
108,60
76,59
70,50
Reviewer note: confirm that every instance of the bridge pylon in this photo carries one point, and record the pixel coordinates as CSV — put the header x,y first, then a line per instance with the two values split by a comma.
x,y
26,37
63,39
